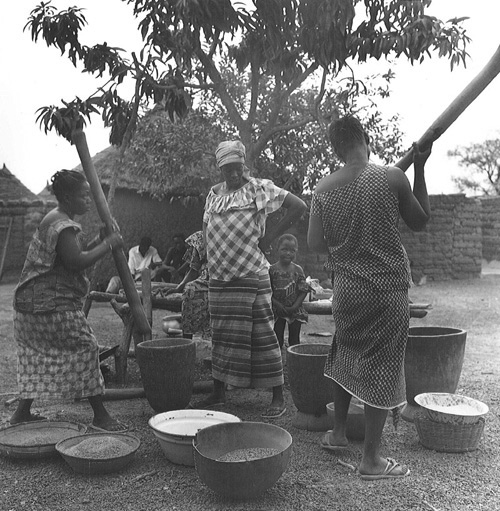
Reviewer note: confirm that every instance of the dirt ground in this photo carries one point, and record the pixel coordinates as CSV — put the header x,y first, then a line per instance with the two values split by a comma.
x,y
314,480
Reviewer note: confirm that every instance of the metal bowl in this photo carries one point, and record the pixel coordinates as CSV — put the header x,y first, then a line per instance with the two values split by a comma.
x,y
242,460
451,408
177,429
37,439
99,453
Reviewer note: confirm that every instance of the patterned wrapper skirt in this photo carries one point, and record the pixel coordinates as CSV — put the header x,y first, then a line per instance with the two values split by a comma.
x,y
58,356
368,348
245,350
195,313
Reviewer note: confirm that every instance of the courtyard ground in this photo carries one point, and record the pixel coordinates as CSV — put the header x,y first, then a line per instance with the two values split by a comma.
x,y
315,480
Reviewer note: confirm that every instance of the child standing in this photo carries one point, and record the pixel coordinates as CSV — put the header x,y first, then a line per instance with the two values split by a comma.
x,y
289,290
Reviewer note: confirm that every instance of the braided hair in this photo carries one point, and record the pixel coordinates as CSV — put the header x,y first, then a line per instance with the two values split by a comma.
x,y
66,182
345,133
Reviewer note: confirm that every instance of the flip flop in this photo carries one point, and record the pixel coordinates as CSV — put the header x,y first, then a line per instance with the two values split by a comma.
x,y
206,405
325,443
273,412
122,428
388,472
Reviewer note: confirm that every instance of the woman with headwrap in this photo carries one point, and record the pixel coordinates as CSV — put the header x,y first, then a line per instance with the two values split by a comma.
x,y
354,218
58,355
245,350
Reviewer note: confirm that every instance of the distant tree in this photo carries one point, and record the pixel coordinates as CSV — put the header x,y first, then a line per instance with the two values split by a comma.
x,y
281,44
482,163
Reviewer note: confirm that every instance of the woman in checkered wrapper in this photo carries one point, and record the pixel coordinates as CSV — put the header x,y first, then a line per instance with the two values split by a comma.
x,y
354,218
245,350
58,355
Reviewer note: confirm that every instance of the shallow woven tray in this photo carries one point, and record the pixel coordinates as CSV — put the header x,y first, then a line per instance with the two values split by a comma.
x,y
448,437
37,439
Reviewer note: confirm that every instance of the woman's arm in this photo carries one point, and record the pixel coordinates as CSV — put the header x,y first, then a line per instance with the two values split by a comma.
x,y
295,208
316,236
76,259
414,206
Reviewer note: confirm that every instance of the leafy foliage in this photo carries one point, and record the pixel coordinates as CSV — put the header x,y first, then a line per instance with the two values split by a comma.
x,y
482,162
280,45
174,157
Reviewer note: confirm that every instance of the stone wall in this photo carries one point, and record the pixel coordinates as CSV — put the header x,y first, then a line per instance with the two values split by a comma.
x,y
450,247
461,232
491,228
140,215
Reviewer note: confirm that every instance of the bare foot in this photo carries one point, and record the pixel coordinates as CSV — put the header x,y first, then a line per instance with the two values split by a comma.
x,y
17,418
109,424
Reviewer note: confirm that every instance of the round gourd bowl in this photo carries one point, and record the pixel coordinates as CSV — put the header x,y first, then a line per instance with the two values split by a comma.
x,y
98,453
241,460
177,429
451,408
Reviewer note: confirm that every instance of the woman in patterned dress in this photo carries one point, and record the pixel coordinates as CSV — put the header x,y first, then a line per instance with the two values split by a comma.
x,y
354,218
194,289
245,351
58,355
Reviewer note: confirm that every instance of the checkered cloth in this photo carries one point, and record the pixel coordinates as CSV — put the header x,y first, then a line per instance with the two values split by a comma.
x,y
58,356
370,278
236,221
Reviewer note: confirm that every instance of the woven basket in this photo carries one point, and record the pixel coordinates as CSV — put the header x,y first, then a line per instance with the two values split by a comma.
x,y
448,437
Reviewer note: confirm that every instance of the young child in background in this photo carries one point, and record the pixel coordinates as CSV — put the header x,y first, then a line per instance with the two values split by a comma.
x,y
289,290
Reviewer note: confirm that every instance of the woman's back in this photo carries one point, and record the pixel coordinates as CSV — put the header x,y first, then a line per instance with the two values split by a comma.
x,y
360,224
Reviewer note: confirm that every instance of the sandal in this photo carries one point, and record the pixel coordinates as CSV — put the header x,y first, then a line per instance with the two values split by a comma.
x,y
273,412
325,443
389,472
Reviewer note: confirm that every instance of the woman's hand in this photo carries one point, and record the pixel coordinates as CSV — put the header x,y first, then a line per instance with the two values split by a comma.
x,y
420,157
114,240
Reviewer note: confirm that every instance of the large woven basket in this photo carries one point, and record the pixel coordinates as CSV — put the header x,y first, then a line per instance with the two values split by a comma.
x,y
445,437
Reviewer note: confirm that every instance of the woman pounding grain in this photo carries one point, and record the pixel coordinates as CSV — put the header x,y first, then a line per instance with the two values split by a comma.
x,y
354,217
245,351
58,356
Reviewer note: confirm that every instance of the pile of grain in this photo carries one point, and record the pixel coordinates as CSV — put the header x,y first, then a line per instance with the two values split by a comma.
x,y
42,437
250,454
99,448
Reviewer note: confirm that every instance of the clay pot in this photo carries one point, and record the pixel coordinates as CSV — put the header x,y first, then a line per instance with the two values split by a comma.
x,y
433,361
167,372
311,390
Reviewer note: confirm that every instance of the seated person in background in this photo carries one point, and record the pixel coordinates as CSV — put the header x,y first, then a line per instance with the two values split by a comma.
x,y
139,257
174,266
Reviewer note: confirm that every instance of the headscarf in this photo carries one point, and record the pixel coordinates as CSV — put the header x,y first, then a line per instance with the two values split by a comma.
x,y
230,151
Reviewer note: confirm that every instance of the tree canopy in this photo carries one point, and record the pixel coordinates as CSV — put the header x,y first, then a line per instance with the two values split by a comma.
x,y
482,164
280,46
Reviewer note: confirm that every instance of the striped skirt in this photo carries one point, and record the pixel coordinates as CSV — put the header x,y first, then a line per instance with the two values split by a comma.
x,y
368,348
58,356
245,350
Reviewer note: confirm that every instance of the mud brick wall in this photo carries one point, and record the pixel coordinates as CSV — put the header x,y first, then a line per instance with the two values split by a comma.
x,y
138,216
491,228
450,247
461,232
26,216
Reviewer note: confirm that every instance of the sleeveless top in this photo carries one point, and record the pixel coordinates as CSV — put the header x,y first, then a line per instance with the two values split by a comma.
x,y
45,284
360,225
